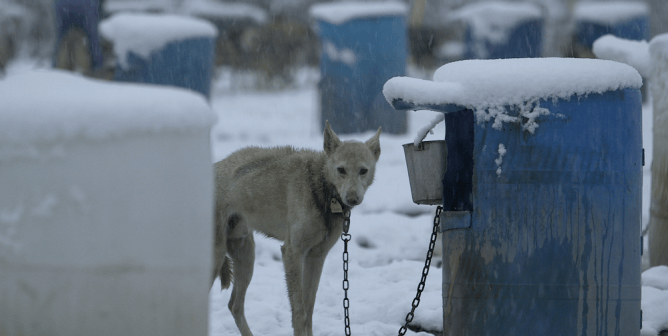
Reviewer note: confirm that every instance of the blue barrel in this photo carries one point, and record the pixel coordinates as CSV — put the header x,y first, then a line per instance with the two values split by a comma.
x,y
359,53
628,20
541,231
497,30
187,64
554,241
84,15
162,49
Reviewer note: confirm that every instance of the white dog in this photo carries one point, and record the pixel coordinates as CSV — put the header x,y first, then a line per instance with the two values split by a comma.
x,y
295,196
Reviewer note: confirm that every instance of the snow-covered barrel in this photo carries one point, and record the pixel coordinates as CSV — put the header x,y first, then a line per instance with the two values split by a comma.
x,y
628,20
162,49
501,29
542,194
363,45
106,208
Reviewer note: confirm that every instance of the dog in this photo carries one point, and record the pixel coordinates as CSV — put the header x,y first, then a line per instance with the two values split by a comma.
x,y
296,196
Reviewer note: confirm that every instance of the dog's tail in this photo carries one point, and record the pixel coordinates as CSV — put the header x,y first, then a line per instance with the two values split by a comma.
x,y
225,274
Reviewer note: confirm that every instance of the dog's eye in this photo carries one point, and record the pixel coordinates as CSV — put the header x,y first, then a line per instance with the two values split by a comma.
x,y
342,170
363,171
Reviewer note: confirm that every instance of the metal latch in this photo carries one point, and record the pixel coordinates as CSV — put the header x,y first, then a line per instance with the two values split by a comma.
x,y
455,220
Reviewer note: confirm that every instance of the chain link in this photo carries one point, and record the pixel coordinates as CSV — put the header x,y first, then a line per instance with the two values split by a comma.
x,y
425,271
346,303
345,236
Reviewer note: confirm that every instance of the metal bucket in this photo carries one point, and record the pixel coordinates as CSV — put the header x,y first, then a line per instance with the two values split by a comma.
x,y
426,165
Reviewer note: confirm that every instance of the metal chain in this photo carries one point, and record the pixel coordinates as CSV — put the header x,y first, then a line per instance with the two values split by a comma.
x,y
346,303
425,271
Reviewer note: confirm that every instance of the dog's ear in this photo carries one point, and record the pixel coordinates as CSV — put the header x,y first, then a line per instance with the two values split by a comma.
x,y
374,144
331,139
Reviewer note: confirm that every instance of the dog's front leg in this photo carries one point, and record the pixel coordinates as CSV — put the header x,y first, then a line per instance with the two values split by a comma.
x,y
293,262
312,270
313,263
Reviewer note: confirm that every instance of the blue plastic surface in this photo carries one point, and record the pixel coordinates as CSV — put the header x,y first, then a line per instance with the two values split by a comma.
x,y
632,29
555,241
351,92
85,15
525,40
187,64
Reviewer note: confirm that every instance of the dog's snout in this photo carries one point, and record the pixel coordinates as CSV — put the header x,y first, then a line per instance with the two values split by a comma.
x,y
353,200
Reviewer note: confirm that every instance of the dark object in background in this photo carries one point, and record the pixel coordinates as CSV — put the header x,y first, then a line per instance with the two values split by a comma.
x,y
78,46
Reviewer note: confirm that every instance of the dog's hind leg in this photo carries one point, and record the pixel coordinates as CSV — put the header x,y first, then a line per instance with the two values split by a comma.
x,y
242,251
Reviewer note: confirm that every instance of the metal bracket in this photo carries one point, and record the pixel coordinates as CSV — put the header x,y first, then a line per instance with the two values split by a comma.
x,y
455,220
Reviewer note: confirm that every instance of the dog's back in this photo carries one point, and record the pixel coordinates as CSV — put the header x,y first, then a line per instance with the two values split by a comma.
x,y
257,182
252,189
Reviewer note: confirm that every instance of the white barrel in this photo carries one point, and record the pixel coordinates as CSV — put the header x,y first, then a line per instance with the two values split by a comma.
x,y
105,209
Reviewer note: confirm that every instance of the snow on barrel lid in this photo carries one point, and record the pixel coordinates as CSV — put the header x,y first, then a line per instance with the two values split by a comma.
x,y
631,52
56,105
145,33
226,10
610,13
493,20
340,12
485,84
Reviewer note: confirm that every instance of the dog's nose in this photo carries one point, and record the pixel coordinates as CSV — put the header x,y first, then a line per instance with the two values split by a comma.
x,y
352,200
